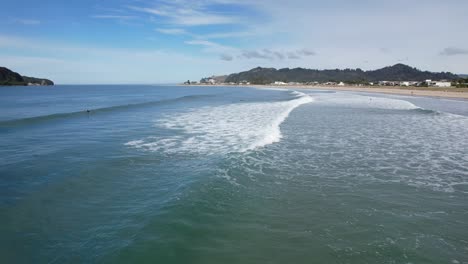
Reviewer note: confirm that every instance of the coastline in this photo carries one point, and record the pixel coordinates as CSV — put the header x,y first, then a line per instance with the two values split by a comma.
x,y
411,91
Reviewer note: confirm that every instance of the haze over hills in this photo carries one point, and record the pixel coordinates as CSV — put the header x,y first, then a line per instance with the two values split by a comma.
x,y
398,72
9,78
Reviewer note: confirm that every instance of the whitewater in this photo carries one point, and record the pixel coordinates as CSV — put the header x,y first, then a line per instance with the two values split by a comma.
x,y
221,129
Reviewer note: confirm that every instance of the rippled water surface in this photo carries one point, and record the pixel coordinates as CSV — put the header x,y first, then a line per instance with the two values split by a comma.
x,y
155,174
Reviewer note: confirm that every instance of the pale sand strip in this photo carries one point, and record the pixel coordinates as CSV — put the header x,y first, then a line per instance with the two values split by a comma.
x,y
445,93
440,92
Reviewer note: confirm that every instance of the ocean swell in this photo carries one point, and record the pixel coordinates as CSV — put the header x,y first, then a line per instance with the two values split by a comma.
x,y
92,111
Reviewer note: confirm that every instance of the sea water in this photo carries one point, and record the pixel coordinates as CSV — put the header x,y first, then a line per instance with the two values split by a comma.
x,y
173,174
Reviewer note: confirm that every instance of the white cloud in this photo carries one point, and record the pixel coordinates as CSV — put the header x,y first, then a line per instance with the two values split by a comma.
x,y
172,31
178,13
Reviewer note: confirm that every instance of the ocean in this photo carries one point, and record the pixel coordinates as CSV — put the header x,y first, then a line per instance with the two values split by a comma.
x,y
174,174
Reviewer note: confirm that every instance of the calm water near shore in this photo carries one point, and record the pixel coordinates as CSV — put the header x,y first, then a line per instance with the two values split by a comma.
x,y
159,174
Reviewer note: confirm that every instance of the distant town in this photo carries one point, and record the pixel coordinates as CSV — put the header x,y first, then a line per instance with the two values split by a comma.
x,y
399,75
214,80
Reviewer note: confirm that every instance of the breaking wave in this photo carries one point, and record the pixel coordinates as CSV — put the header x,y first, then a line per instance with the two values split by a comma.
x,y
223,129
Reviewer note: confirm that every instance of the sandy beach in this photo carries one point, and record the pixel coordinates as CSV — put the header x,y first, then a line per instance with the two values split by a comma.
x,y
414,91
458,93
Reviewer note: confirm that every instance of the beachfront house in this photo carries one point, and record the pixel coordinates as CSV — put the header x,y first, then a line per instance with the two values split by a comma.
x,y
389,83
408,83
442,83
279,83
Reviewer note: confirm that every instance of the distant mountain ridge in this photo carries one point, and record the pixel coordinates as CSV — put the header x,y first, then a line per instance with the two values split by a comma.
x,y
9,77
398,72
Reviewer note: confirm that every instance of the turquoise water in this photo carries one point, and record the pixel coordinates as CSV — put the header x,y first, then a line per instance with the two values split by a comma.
x,y
156,174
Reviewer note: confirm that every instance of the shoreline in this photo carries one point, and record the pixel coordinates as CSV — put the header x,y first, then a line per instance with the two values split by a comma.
x,y
435,92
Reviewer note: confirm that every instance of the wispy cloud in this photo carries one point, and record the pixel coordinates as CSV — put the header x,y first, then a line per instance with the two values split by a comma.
x,y
235,34
226,57
293,56
451,51
277,54
269,54
306,52
172,31
210,44
28,22
252,54
113,17
205,43
183,14
228,53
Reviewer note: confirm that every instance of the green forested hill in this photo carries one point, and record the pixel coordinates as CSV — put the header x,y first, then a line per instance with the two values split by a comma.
x,y
398,72
9,77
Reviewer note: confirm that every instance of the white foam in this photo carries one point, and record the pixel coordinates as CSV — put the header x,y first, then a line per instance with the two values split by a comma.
x,y
271,88
362,101
222,129
134,143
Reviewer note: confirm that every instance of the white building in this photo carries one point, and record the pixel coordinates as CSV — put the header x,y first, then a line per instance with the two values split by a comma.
x,y
408,83
279,83
441,84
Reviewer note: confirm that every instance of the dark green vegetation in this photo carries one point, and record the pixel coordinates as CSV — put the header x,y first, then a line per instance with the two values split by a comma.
x,y
398,72
461,83
8,77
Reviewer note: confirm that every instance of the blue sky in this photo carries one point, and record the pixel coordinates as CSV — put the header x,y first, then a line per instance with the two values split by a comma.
x,y
136,41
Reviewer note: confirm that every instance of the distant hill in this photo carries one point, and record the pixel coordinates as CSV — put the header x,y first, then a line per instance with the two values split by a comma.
x,y
398,72
9,77
218,79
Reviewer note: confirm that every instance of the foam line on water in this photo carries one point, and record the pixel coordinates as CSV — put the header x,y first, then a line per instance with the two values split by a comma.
x,y
364,101
222,129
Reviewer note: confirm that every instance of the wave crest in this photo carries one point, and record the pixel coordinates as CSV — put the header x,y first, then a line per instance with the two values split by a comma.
x,y
222,129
